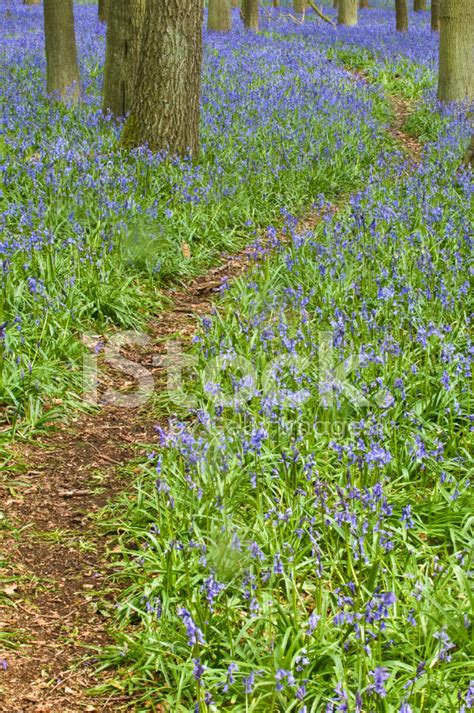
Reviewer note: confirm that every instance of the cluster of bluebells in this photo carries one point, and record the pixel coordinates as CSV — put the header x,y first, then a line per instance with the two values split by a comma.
x,y
301,545
320,515
80,221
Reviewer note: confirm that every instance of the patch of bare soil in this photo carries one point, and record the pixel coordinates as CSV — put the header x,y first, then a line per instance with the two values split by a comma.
x,y
55,594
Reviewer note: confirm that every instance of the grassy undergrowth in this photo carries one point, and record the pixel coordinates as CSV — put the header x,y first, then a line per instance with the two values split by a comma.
x,y
305,544
90,233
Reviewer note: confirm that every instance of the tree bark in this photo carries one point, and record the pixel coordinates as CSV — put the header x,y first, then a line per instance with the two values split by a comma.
x,y
363,4
31,2
299,6
165,109
419,5
235,3
102,10
124,32
435,15
347,12
335,4
219,15
401,15
62,70
456,51
250,13
276,3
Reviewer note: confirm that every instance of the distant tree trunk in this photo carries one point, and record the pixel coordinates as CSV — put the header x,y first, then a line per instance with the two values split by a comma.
x,y
219,15
235,3
103,10
250,13
347,12
456,51
435,15
299,6
31,2
276,3
401,15
363,4
469,155
165,109
335,3
62,70
124,31
420,5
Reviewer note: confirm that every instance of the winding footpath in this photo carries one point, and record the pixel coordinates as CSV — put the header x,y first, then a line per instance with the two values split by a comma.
x,y
57,597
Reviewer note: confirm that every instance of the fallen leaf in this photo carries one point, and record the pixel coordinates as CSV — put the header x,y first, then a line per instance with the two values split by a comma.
x,y
186,250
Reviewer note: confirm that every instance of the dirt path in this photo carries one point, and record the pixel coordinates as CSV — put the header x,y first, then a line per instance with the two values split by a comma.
x,y
55,599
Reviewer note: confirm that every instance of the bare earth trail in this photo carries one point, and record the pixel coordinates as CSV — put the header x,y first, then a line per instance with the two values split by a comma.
x,y
54,590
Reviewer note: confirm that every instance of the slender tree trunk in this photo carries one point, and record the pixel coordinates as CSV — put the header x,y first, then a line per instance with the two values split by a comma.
x,y
276,3
250,13
102,10
363,4
165,109
420,5
31,2
347,12
335,4
62,70
219,15
299,6
235,3
456,51
401,15
435,15
124,32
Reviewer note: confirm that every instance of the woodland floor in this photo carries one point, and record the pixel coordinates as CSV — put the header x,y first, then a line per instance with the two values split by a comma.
x,y
57,594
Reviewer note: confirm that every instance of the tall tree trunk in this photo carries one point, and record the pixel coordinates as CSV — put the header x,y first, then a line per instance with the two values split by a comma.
x,y
420,5
219,15
62,70
276,3
250,13
456,51
401,15
165,109
102,10
363,4
335,4
124,32
435,15
299,6
31,2
235,3
347,12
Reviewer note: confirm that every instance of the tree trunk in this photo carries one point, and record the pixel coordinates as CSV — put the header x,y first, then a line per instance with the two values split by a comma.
x,y
62,70
435,15
401,15
165,109
250,13
124,32
31,2
102,10
299,6
276,3
347,12
420,5
335,4
468,159
219,15
235,3
363,4
456,51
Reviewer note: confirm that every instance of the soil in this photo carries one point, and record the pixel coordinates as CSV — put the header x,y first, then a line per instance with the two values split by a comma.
x,y
55,592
